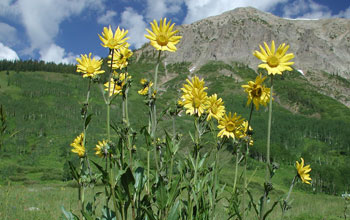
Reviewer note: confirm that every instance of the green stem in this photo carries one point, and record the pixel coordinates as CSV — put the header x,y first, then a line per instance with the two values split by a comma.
x,y
171,170
245,160
215,182
236,171
109,98
81,189
111,175
148,168
268,175
108,123
154,113
285,202
84,127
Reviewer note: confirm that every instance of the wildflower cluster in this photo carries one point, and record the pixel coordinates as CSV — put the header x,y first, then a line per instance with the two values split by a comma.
x,y
193,191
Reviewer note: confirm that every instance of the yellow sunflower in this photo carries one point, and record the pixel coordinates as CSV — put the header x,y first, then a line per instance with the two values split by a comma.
x,y
303,171
116,84
162,38
257,92
275,62
215,107
89,67
195,102
194,83
101,148
146,85
113,41
78,145
243,132
120,58
230,126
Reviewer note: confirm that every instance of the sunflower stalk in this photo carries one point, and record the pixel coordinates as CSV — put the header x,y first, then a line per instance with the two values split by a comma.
x,y
268,165
246,153
285,205
109,97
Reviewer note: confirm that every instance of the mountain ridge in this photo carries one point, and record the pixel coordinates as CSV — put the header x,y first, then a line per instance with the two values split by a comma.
x,y
320,46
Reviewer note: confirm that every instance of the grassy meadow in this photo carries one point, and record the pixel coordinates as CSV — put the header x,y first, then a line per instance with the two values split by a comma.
x,y
43,116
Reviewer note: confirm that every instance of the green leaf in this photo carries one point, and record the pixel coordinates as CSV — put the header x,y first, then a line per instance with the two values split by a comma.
x,y
128,181
69,215
108,214
161,194
87,216
74,171
87,120
105,176
174,212
139,178
202,160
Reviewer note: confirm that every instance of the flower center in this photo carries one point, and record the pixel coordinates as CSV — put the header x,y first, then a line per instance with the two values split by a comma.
x,y
230,126
162,40
112,42
196,102
214,109
273,61
90,70
257,91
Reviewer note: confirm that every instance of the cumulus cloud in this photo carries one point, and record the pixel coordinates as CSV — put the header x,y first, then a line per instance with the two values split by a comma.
x,y
8,34
306,9
136,27
7,53
56,54
42,18
157,9
9,8
197,10
107,18
344,14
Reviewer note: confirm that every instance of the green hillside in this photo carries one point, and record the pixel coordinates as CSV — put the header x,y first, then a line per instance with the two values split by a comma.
x,y
43,115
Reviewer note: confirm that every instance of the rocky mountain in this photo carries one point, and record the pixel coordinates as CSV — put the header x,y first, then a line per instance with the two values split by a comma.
x,y
319,45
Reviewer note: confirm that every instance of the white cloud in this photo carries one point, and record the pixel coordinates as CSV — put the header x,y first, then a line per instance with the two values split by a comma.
x,y
42,18
197,10
56,54
157,9
344,14
8,34
107,19
7,53
136,27
9,8
306,9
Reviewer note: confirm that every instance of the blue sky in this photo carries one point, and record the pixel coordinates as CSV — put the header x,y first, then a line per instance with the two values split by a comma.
x,y
61,30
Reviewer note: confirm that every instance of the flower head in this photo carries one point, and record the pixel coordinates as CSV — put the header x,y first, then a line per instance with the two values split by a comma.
x,y
162,38
89,67
117,83
78,145
215,107
303,171
230,126
194,98
101,148
146,86
194,83
257,92
243,132
113,41
120,58
275,62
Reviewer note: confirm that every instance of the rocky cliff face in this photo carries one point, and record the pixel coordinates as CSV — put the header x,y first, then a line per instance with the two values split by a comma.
x,y
319,45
